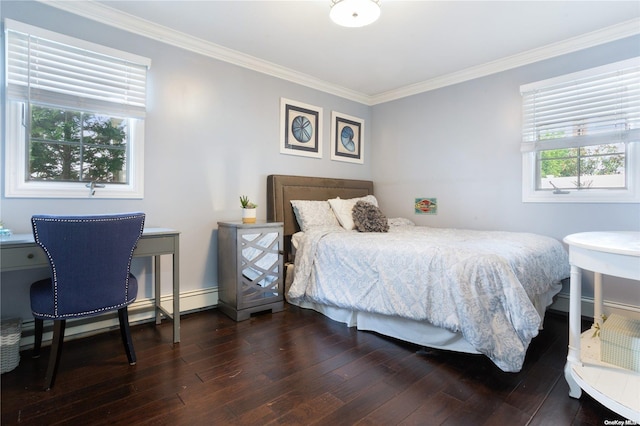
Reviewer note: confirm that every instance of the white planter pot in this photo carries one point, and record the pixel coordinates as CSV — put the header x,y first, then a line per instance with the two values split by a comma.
x,y
249,215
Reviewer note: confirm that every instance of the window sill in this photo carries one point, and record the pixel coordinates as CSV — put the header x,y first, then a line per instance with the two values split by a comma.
x,y
581,196
71,190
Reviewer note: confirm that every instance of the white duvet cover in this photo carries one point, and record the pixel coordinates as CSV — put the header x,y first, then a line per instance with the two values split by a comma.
x,y
478,283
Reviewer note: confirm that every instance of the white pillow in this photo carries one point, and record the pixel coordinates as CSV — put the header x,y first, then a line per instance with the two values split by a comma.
x,y
343,209
296,238
314,214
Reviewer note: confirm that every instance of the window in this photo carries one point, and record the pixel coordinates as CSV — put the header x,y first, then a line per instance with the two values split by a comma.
x,y
580,136
75,117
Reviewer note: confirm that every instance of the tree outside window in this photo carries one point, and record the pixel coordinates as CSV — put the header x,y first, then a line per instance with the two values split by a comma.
x,y
599,166
72,146
586,167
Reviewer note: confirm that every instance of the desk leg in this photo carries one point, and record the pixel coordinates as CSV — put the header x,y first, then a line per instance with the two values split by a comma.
x,y
176,292
156,278
573,357
175,316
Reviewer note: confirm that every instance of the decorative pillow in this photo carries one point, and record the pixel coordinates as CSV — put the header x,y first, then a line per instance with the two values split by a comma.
x,y
313,214
343,209
369,218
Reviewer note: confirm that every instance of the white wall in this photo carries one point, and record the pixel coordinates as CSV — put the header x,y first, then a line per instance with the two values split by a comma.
x,y
461,144
212,134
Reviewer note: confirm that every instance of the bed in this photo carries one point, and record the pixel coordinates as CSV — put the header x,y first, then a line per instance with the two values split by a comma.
x,y
463,290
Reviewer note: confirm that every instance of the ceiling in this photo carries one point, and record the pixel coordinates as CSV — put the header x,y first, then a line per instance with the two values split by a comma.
x,y
413,47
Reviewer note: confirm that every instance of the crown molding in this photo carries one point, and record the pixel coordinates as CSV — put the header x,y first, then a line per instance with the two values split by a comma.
x,y
584,41
112,17
117,19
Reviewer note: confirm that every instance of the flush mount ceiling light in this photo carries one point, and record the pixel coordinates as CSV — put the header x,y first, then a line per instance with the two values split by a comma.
x,y
354,13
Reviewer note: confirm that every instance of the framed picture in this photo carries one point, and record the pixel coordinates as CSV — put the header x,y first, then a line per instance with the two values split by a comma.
x,y
347,138
300,129
426,206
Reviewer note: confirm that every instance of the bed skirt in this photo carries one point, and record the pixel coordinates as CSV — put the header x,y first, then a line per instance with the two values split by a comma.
x,y
418,332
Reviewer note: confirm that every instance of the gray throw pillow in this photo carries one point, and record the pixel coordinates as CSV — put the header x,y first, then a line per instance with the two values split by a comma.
x,y
369,218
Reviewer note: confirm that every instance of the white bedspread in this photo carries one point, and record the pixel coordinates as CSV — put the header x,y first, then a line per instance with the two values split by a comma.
x,y
480,283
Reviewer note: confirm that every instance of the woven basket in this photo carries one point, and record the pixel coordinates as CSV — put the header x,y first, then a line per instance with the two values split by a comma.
x,y
10,344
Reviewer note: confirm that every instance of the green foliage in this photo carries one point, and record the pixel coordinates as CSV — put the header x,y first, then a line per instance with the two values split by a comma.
x,y
558,162
601,160
76,146
246,204
595,160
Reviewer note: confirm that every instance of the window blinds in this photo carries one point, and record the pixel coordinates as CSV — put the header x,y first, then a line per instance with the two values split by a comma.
x,y
56,70
592,107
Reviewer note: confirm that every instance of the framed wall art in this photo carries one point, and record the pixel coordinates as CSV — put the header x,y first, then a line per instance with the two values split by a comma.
x,y
300,129
426,206
347,138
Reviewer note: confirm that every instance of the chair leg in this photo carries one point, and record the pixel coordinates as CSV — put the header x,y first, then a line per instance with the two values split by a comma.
x,y
56,351
123,316
37,337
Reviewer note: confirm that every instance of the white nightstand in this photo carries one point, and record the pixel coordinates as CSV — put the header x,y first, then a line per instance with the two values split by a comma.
x,y
611,253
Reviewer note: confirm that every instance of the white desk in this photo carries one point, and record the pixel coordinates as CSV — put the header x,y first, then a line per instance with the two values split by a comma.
x,y
610,253
20,251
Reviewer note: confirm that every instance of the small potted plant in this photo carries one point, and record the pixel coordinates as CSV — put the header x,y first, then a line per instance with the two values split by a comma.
x,y
248,210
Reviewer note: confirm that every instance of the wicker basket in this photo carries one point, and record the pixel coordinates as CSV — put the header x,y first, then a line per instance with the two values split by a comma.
x,y
10,344
620,342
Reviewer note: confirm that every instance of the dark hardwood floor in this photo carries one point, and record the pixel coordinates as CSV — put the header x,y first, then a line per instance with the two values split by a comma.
x,y
293,367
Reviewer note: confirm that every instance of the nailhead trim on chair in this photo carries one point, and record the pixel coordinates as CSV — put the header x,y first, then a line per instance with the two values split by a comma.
x,y
55,276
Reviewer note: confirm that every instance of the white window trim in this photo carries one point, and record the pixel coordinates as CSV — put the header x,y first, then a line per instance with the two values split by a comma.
x,y
631,194
16,162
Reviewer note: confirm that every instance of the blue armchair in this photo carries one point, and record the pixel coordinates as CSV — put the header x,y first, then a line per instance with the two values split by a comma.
x,y
90,259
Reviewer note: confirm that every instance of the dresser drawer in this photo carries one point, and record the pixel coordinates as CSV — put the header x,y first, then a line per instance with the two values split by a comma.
x,y
14,258
155,245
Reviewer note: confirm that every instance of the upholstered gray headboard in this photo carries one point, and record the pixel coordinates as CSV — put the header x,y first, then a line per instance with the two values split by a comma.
x,y
281,189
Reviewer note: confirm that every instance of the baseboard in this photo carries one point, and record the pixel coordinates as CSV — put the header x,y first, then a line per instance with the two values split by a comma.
x,y
561,304
140,311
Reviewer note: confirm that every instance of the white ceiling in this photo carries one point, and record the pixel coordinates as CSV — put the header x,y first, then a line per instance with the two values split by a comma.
x,y
414,46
